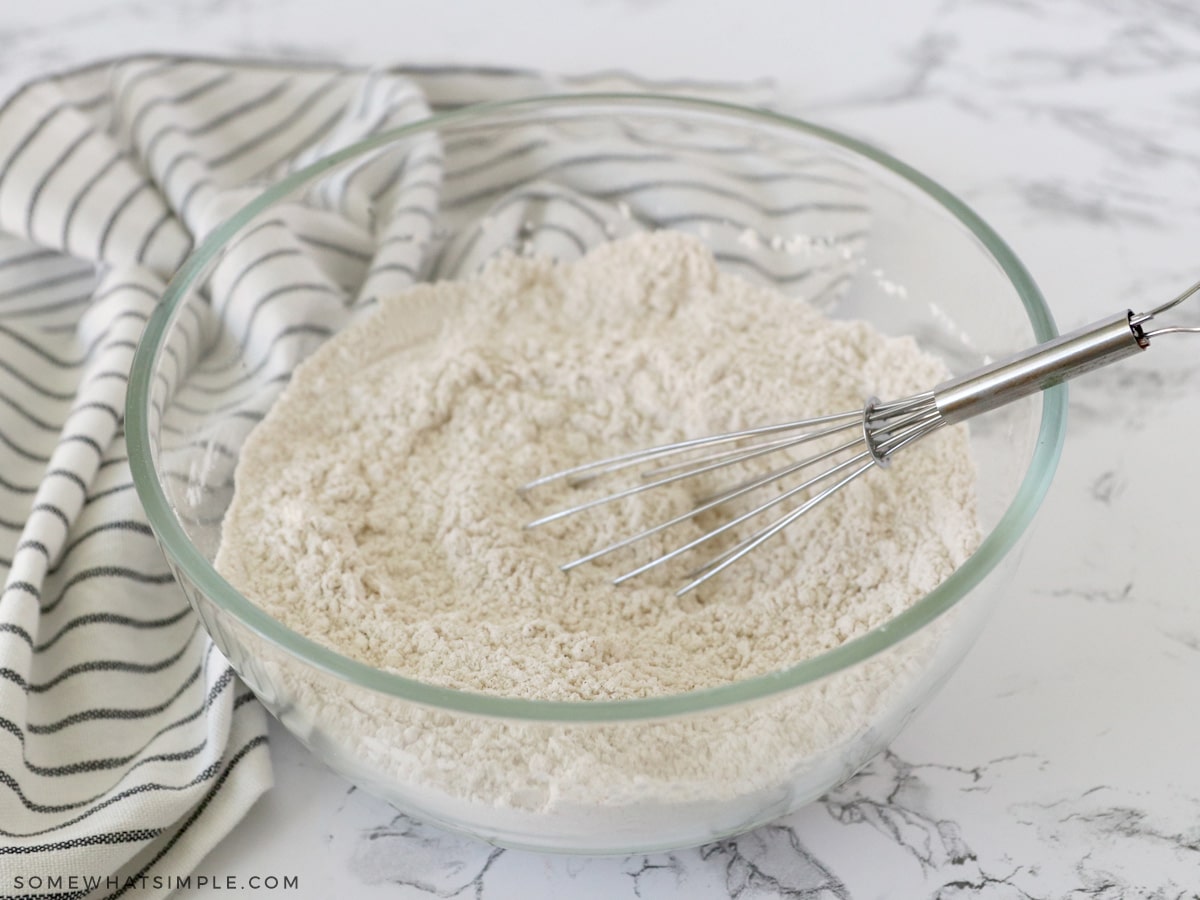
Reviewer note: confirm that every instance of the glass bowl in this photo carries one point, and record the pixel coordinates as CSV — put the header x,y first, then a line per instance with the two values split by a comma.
x,y
879,241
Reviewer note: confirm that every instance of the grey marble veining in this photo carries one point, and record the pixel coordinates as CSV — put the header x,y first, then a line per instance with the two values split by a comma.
x,y
1060,762
906,818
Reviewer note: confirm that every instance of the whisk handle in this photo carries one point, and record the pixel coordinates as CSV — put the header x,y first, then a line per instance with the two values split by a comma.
x,y
1036,369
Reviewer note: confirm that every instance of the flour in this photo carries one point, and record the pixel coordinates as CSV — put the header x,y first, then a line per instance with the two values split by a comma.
x,y
376,513
376,508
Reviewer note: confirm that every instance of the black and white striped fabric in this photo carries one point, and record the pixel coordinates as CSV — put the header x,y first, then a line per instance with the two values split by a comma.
x,y
128,747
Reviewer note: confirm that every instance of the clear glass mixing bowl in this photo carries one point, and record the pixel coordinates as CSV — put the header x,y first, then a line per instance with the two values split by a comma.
x,y
433,199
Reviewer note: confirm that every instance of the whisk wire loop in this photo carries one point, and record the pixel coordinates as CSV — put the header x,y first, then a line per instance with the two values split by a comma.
x,y
721,529
716,500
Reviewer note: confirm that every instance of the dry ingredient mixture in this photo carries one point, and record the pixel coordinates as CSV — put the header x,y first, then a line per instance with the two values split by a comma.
x,y
376,509
376,512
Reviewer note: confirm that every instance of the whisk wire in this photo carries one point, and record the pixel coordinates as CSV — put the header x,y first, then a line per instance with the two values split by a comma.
x,y
715,500
733,523
732,555
636,457
740,454
884,428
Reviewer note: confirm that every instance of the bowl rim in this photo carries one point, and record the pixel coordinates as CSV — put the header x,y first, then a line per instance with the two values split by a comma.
x,y
188,560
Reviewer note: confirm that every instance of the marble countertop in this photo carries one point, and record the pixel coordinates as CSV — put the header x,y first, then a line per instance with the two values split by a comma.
x,y
1061,759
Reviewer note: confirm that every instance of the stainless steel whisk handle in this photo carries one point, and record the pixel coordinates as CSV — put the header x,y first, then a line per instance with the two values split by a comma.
x,y
1090,347
1036,369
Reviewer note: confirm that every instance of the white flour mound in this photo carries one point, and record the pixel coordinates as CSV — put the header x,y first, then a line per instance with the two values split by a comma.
x,y
376,507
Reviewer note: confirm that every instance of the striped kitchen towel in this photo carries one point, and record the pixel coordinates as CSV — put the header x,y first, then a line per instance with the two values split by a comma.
x,y
128,747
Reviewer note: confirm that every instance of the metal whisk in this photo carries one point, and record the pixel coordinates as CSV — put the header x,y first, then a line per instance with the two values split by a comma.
x,y
879,430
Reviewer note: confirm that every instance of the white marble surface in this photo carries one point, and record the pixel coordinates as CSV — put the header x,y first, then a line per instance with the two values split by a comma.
x,y
1061,760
